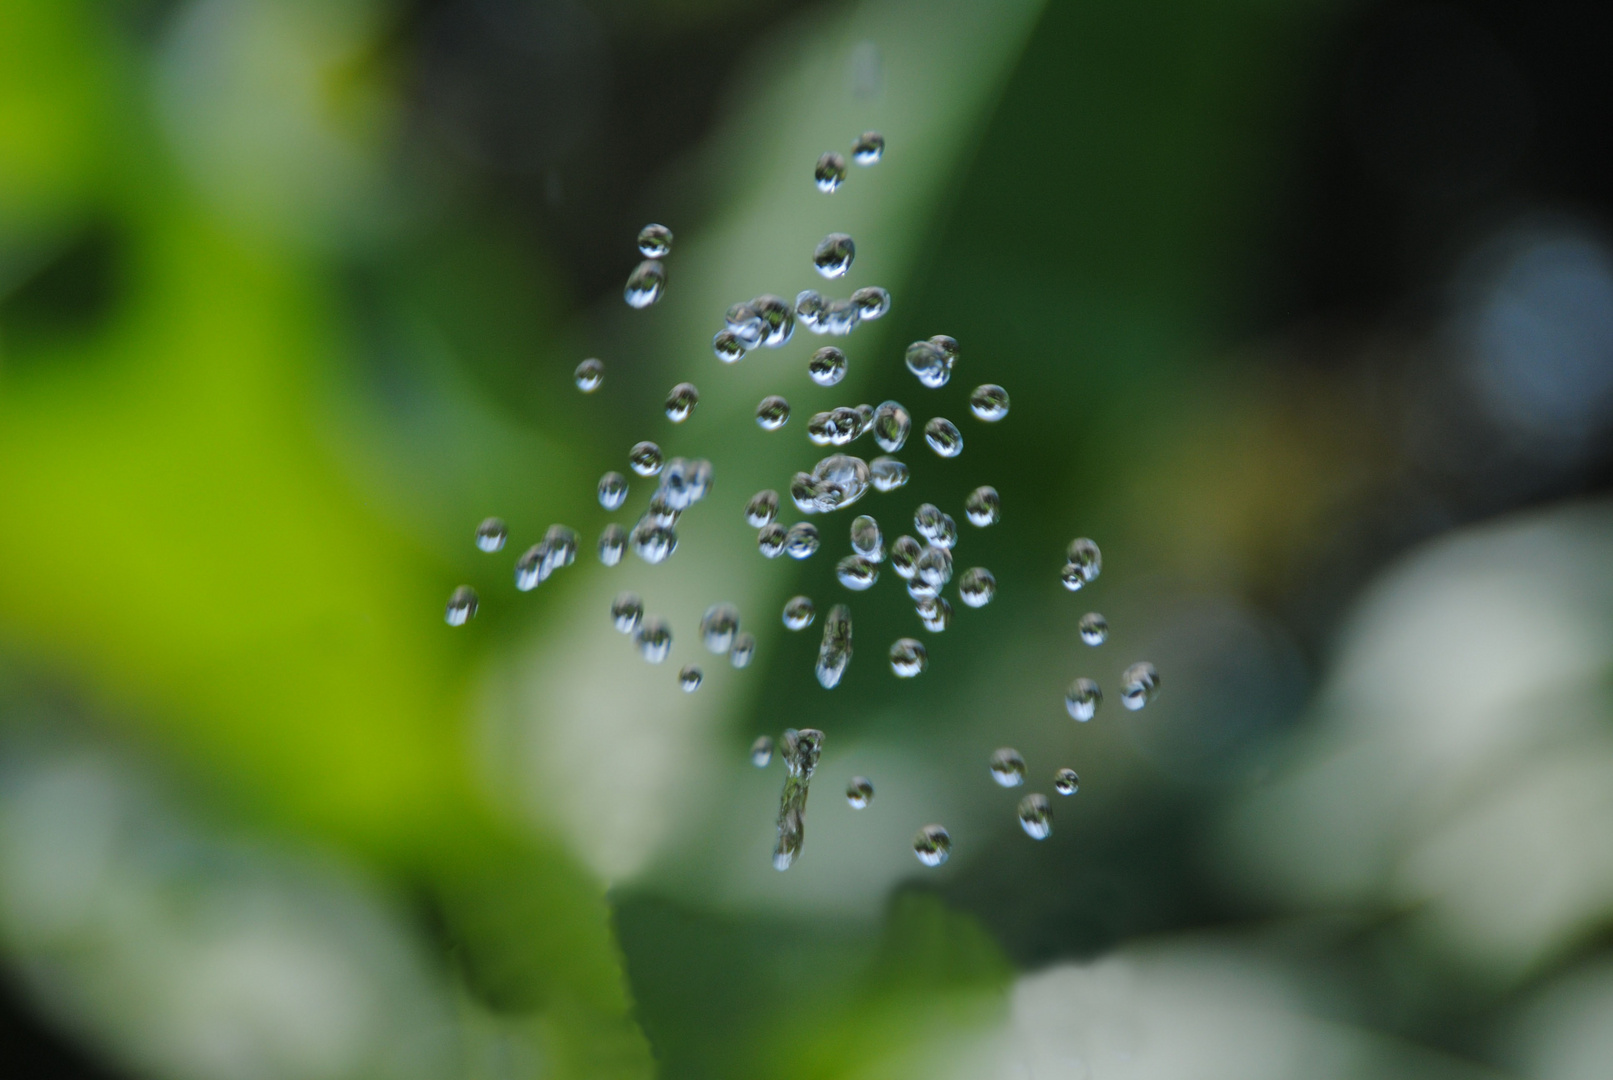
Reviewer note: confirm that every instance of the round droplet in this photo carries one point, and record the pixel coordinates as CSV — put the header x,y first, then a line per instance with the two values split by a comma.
x,y
653,542
891,425
856,573
661,511
770,540
811,308
681,402
690,678
612,490
589,375
943,437
718,627
1094,628
983,507
871,302
655,241
869,148
727,347
1082,699
834,255
830,171
827,366
932,845
743,652
562,545
908,657
761,751
1036,817
491,534
887,474
762,509
654,639
859,793
1138,685
612,544
838,481
866,539
778,316
533,567
840,317
948,347
989,402
626,611
802,540
905,552
936,527
798,613
1086,558
1065,782
926,361
645,284
645,458
976,587
801,493
747,324
461,606
1071,577
934,612
1007,767
819,429
772,413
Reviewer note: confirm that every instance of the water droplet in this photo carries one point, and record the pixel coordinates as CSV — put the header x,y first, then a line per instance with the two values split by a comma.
x,y
612,490
811,309
859,793
989,402
677,490
645,458
919,589
866,539
839,317
887,473
562,545
532,568
1094,628
727,346
802,494
926,360
762,509
701,476
834,255
943,437
798,613
1082,699
800,752
743,651
1071,577
772,413
681,402
948,347
869,148
654,639
934,612
830,171
747,325
661,511
491,534
761,752
827,366
1036,817
983,507
645,284
461,606
838,481
612,544
778,316
1007,767
871,302
820,428
1065,782
976,587
690,678
856,573
589,374
1086,558
905,552
934,566
802,540
652,542
1138,685
891,425
835,651
908,657
626,611
770,540
655,241
932,845
718,627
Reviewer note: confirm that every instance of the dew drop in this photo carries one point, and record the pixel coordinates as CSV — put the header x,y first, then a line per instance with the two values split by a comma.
x,y
778,317
1007,767
834,255
747,325
934,612
802,540
461,606
1065,782
859,793
905,552
770,540
645,458
989,402
589,375
654,639
1094,628
761,752
887,474
727,346
743,652
857,573
977,586
932,845
1086,558
655,241
491,534
626,611
612,544
835,651
869,148
645,284
871,302
1082,699
811,309
718,627
762,509
926,361
830,171
1036,817
908,657
681,402
866,539
690,678
943,437
612,490
798,613
983,507
827,366
1138,685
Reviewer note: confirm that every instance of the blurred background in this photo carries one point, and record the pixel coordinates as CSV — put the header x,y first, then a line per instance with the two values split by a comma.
x,y
1306,313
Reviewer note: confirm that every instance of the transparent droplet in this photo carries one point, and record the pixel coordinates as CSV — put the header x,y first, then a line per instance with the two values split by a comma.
x,y
936,527
1007,767
1071,577
908,657
690,678
859,793
810,308
645,458
929,363
626,611
1082,699
654,639
798,613
871,302
778,316
1094,628
678,488
830,171
491,534
948,347
827,366
819,429
681,402
772,413
532,568
887,474
761,752
562,545
989,402
847,476
727,346
653,542
934,566
1065,782
934,612
701,476
802,540
1138,685
461,606
743,652
645,284
920,589
834,255
835,651
770,540
891,426
983,507
589,375
655,241
718,627
800,753
976,587
612,544
661,511
866,539
869,148
1036,817
905,552
802,494
612,490
1086,558
943,437
840,317
932,845
747,325
857,573
762,509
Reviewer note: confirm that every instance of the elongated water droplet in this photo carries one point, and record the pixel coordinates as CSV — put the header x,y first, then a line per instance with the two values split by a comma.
x,y
934,612
983,507
612,490
802,493
798,613
718,627
835,651
772,413
589,375
1138,685
976,587
827,366
1036,817
761,752
811,308
838,481
943,437
1007,767
926,361
905,552
1094,628
948,346
652,542
727,347
856,573
770,540
491,534
645,458
989,402
869,148
830,172
461,606
743,651
908,657
802,540
1087,560
701,476
932,845
1082,699
1065,782
778,316
532,568
612,544
626,611
800,752
654,639
655,241
762,509
887,474
871,302
834,255
645,284
859,793
866,539
690,678
891,425
681,402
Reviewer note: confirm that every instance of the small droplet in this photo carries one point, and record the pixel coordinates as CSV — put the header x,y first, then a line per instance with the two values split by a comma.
x,y
834,255
936,527
1071,577
690,678
626,611
718,627
612,490
891,426
1082,699
802,493
645,284
868,148
772,413
948,347
655,241
743,652
921,589
562,545
770,540
820,429
1007,767
491,534
926,361
1094,628
461,606
778,316
589,374
802,540
827,366
654,639
652,542
830,171
811,308
943,437
887,474
762,509
840,317
871,302
727,346
798,613
1086,558
989,402
932,845
856,573
612,544
866,539
905,552
835,651
934,612
661,511
1138,685
681,402
747,324
908,657
1065,782
532,568
701,476
983,507
761,752
1036,817
645,458
976,587
859,793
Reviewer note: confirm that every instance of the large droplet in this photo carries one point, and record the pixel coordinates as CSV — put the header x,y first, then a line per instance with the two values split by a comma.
x,y
802,540
1094,628
989,402
977,586
654,639
934,612
926,361
891,425
830,172
589,374
653,542
908,657
932,845
1036,817
869,148
626,611
983,507
612,490
856,573
859,793
834,255
798,613
1082,699
491,534
690,678
681,402
1085,559
655,241
645,284
761,752
718,627
743,651
838,481
747,325
800,752
727,346
866,539
645,458
461,606
770,540
772,413
1138,685
1065,782
827,366
762,509
943,437
905,552
1007,767
871,302
835,651
778,316
612,544
887,474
